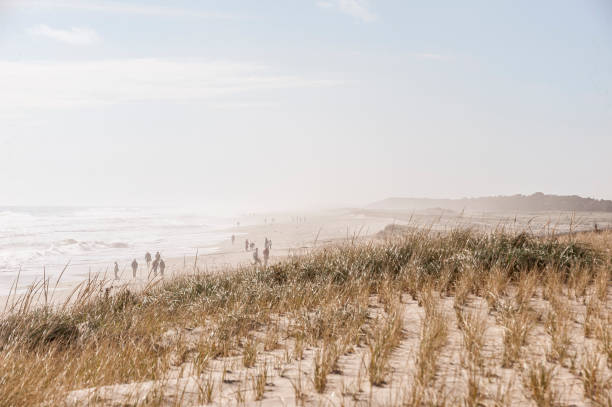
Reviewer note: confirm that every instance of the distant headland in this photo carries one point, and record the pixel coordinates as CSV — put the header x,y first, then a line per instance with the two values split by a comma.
x,y
521,203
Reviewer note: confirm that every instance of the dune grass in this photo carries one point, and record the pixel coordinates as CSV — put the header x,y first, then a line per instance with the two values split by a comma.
x,y
320,300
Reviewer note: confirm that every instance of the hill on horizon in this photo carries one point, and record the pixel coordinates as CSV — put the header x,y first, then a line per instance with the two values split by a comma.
x,y
522,203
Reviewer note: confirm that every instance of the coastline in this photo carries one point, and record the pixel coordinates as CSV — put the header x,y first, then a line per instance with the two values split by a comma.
x,y
288,237
291,237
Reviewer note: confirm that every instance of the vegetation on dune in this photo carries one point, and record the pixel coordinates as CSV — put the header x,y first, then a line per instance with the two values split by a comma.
x,y
320,299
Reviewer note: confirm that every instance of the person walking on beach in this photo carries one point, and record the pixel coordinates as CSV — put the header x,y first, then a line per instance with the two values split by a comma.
x,y
266,243
154,269
134,268
116,271
157,256
266,254
256,256
162,267
246,245
233,239
148,260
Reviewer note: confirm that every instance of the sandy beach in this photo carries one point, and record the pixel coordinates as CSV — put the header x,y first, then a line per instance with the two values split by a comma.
x,y
287,371
296,233
288,237
291,233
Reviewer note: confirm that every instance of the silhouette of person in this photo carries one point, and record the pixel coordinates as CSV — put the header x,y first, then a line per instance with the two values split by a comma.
x,y
233,239
116,271
157,256
155,265
256,256
148,260
266,243
246,245
266,255
134,268
162,267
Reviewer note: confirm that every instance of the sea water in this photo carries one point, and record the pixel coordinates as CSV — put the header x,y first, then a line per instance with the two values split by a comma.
x,y
37,241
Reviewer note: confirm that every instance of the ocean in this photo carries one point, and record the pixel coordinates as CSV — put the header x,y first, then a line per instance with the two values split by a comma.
x,y
37,240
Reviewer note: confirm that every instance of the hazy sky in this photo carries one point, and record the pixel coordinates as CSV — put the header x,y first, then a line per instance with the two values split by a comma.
x,y
271,104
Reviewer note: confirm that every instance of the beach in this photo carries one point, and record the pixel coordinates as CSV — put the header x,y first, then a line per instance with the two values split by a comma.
x,y
290,233
202,248
348,325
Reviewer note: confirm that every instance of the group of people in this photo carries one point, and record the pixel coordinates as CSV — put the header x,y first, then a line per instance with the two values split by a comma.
x,y
248,245
158,265
251,246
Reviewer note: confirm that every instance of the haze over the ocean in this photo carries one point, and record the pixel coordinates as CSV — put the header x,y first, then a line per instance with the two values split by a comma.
x,y
244,105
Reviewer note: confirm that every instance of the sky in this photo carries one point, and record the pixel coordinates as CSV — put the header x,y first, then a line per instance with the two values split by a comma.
x,y
278,104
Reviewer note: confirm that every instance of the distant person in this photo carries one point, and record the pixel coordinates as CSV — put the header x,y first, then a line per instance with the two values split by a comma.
x,y
148,260
155,266
256,256
246,245
116,271
134,268
233,239
162,267
266,243
157,256
266,254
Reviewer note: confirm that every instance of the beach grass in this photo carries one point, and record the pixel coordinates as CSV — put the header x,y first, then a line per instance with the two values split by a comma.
x,y
329,305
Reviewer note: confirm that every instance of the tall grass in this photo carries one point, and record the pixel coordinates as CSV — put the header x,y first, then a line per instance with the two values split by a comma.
x,y
101,337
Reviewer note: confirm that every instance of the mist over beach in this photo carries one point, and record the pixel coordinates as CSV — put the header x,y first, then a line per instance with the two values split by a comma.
x,y
305,203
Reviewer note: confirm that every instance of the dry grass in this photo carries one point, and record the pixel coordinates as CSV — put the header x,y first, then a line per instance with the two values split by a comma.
x,y
596,386
538,380
386,335
592,316
434,334
517,321
319,307
206,390
495,286
603,333
249,353
324,363
259,382
557,325
473,327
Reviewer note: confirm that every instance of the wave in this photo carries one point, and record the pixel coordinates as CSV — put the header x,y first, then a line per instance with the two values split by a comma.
x,y
91,245
33,237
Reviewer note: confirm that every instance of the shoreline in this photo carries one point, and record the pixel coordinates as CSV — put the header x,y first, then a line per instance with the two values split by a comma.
x,y
290,237
287,238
